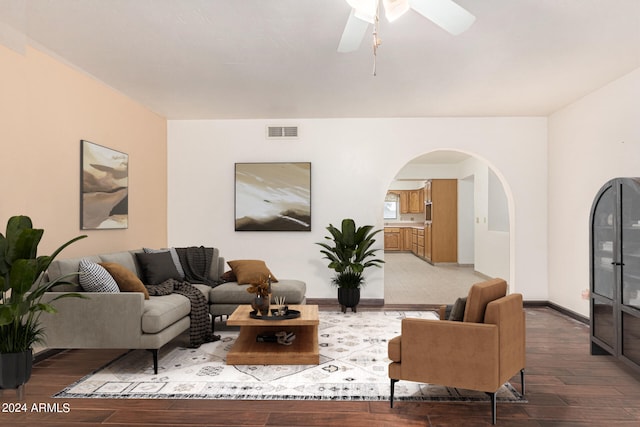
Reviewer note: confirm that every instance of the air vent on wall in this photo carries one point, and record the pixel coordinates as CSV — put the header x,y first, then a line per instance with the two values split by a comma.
x,y
282,132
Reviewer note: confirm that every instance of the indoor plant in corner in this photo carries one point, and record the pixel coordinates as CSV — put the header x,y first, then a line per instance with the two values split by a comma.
x,y
349,255
22,284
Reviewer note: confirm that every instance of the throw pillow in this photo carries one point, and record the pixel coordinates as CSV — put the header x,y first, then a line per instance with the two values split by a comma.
x,y
126,279
228,276
94,278
157,267
174,258
248,271
457,311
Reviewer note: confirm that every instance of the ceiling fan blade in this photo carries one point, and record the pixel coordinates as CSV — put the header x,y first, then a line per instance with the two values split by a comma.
x,y
353,33
445,13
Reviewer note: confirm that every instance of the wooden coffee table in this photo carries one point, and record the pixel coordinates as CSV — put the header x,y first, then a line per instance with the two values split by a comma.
x,y
303,350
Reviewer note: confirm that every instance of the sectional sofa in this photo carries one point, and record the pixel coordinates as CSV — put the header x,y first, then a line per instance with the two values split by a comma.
x,y
132,320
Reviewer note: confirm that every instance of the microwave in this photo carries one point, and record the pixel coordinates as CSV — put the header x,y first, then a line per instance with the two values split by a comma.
x,y
427,211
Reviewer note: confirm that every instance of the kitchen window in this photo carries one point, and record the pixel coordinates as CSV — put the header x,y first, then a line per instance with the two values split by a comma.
x,y
391,203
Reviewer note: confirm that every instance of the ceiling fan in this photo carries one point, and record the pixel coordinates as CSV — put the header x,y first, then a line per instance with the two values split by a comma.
x,y
445,13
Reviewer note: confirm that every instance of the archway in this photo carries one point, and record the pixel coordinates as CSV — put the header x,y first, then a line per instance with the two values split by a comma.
x,y
484,230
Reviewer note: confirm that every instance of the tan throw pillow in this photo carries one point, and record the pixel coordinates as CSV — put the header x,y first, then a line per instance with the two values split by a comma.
x,y
126,279
249,271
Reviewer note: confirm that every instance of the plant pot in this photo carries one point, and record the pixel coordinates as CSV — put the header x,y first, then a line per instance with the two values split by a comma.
x,y
15,369
348,298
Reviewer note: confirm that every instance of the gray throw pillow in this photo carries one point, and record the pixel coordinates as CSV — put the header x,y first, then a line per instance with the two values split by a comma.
x,y
457,311
174,257
157,267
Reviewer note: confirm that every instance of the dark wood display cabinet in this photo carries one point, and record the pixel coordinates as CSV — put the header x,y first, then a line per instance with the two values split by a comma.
x,y
615,270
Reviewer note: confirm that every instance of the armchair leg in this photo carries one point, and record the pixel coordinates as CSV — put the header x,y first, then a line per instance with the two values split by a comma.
x,y
522,380
493,407
393,383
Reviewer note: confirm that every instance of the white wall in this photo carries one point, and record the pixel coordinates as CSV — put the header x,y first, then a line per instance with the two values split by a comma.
x,y
492,256
590,141
466,223
353,163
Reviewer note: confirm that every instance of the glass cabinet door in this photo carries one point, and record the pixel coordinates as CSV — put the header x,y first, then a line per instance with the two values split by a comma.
x,y
603,256
604,238
630,236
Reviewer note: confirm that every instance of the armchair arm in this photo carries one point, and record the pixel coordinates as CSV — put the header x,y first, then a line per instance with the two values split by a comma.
x,y
450,353
444,310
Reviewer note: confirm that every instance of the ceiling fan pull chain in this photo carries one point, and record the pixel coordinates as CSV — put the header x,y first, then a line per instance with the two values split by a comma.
x,y
376,41
375,51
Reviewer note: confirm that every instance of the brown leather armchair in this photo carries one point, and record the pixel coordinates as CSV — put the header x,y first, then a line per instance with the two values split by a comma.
x,y
480,353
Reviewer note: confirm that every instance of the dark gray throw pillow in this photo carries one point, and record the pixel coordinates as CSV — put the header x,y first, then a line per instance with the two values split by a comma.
x,y
457,311
157,267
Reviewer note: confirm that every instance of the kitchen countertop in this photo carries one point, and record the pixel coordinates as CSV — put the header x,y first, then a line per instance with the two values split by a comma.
x,y
405,224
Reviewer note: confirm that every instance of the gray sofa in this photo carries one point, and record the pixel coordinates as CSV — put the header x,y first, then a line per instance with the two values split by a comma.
x,y
129,321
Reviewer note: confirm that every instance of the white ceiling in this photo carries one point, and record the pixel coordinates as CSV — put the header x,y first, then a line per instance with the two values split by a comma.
x,y
193,59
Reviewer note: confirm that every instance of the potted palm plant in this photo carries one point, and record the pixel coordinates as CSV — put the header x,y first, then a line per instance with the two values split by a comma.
x,y
349,255
22,285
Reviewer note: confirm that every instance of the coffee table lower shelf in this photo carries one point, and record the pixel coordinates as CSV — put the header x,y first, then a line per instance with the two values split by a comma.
x,y
302,351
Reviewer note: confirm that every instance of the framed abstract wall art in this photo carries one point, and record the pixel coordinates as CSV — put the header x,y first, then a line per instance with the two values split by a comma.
x,y
273,196
104,187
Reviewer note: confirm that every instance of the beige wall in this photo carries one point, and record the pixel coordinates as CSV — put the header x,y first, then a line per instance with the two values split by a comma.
x,y
46,108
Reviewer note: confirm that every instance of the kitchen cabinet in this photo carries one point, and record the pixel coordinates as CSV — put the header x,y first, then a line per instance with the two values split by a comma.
x,y
427,191
392,239
441,233
414,241
411,201
404,202
420,246
405,233
398,238
615,271
416,201
427,242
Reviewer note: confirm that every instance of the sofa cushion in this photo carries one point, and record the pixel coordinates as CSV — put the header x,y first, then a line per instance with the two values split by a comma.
x,y
249,271
480,295
94,278
231,293
124,258
204,289
126,279
69,268
161,311
157,267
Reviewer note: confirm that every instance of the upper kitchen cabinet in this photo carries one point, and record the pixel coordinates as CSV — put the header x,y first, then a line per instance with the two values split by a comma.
x,y
427,191
412,201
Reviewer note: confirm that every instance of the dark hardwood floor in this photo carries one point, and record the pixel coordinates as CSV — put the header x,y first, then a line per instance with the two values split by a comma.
x,y
566,386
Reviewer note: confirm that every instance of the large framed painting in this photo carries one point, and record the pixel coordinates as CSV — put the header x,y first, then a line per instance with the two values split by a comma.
x,y
273,196
104,187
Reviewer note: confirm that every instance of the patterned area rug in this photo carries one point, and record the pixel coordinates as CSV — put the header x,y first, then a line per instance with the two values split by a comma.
x,y
353,366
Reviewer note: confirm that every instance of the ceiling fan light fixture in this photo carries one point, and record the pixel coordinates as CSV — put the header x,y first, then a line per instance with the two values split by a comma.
x,y
394,9
364,9
446,14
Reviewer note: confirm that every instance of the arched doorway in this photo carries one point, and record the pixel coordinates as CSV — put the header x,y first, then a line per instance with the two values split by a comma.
x,y
483,213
